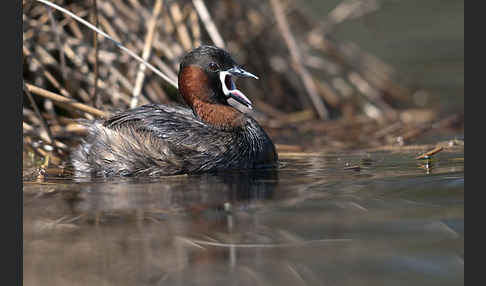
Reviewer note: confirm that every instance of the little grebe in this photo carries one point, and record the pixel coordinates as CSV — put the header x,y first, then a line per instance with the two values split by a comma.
x,y
168,140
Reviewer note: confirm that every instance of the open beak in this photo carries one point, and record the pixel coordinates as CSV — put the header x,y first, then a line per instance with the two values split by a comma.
x,y
229,87
236,71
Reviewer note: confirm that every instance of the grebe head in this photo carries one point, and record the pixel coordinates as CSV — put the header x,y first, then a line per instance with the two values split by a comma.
x,y
206,75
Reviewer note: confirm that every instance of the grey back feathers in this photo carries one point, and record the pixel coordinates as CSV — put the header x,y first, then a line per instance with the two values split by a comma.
x,y
167,140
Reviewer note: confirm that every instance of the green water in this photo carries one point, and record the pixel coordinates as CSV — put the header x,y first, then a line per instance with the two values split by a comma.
x,y
395,221
422,40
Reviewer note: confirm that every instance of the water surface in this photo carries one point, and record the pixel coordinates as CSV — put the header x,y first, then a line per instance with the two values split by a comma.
x,y
315,221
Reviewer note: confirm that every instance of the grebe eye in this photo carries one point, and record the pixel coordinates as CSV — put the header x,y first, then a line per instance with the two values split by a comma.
x,y
213,67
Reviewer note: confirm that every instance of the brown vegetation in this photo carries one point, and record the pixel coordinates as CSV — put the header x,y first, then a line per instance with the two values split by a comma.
x,y
313,88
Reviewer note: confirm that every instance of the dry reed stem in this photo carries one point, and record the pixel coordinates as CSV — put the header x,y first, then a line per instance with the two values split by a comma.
x,y
46,73
57,37
67,101
27,128
96,97
208,23
346,10
181,29
295,54
109,28
43,122
75,28
127,11
141,9
328,93
118,44
146,52
165,68
371,94
349,56
195,29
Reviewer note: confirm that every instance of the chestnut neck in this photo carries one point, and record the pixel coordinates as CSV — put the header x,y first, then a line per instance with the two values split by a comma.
x,y
196,89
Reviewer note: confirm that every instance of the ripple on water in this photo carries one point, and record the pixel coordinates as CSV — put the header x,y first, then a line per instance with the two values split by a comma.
x,y
312,222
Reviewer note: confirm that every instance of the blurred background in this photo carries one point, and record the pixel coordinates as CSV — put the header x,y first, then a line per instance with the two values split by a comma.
x,y
422,41
339,74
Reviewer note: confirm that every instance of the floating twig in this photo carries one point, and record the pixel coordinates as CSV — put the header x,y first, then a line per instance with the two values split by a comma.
x,y
348,166
430,153
269,245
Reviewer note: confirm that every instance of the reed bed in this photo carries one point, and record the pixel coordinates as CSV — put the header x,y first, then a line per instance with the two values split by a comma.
x,y
313,88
